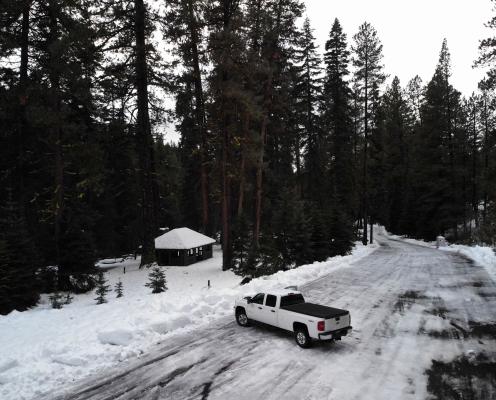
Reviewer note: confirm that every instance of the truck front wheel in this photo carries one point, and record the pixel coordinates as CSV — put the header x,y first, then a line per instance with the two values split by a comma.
x,y
301,337
241,317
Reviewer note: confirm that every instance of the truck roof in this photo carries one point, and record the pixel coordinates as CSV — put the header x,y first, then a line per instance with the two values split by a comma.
x,y
281,292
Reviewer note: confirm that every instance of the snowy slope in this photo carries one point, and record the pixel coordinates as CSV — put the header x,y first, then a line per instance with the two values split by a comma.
x,y
43,349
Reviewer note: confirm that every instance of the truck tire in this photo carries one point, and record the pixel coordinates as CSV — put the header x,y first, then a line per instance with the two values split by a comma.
x,y
241,317
301,337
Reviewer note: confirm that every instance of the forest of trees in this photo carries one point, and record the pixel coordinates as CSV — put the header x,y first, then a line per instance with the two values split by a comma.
x,y
286,155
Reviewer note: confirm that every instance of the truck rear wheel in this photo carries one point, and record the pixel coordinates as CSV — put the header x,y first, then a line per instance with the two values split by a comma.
x,y
241,317
301,337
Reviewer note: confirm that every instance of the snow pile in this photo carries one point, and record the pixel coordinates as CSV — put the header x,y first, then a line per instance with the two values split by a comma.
x,y
43,348
116,337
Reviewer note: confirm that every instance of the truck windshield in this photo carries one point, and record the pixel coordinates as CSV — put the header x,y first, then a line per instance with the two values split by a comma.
x,y
291,299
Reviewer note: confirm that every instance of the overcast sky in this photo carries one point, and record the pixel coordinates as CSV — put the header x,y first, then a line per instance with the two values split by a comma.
x,y
412,31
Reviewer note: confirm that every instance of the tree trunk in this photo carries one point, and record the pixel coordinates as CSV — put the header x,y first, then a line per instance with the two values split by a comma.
x,y
242,180
474,168
199,116
365,147
23,78
263,132
259,183
144,140
371,231
486,160
54,78
451,154
229,8
299,189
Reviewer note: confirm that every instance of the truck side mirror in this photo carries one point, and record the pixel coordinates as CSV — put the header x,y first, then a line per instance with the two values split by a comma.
x,y
248,300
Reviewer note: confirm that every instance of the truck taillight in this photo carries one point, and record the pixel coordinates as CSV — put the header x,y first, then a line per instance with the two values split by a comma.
x,y
321,326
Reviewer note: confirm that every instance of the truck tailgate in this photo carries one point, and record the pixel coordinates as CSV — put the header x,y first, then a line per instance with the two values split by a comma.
x,y
335,323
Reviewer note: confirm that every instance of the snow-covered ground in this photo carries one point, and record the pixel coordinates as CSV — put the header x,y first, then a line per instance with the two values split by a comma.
x,y
483,256
43,349
423,328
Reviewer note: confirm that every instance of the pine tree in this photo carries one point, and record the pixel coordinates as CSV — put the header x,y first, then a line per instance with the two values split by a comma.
x,y
157,280
487,49
68,299
398,131
308,89
415,97
437,206
337,121
119,289
226,18
19,285
185,22
367,60
101,288
56,300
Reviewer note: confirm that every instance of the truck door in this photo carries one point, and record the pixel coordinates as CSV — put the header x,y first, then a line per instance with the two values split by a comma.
x,y
270,310
256,307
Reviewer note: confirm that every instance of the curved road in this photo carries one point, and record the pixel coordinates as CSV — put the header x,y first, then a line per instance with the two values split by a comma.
x,y
424,327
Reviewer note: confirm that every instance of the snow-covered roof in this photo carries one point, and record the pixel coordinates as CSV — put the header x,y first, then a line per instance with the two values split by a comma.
x,y
181,239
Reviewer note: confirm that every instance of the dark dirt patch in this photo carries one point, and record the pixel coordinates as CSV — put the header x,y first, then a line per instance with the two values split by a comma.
x,y
413,295
478,329
408,298
207,386
487,294
454,333
399,306
444,334
463,378
475,330
438,312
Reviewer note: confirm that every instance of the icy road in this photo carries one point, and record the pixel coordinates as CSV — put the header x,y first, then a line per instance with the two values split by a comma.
x,y
424,327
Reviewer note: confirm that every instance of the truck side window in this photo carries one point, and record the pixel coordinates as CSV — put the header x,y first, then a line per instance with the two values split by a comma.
x,y
271,300
291,299
258,298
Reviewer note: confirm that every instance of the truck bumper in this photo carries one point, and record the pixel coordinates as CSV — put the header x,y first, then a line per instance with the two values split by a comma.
x,y
335,335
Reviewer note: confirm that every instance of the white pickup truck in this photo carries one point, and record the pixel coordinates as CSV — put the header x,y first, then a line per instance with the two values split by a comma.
x,y
287,309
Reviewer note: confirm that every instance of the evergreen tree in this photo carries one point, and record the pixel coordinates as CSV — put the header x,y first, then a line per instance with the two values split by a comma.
x,y
437,205
19,285
157,281
68,299
415,97
395,176
119,289
185,22
101,288
367,60
308,91
56,300
487,49
337,121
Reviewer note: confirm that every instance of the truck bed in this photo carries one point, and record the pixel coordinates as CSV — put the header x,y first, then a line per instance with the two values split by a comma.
x,y
316,310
